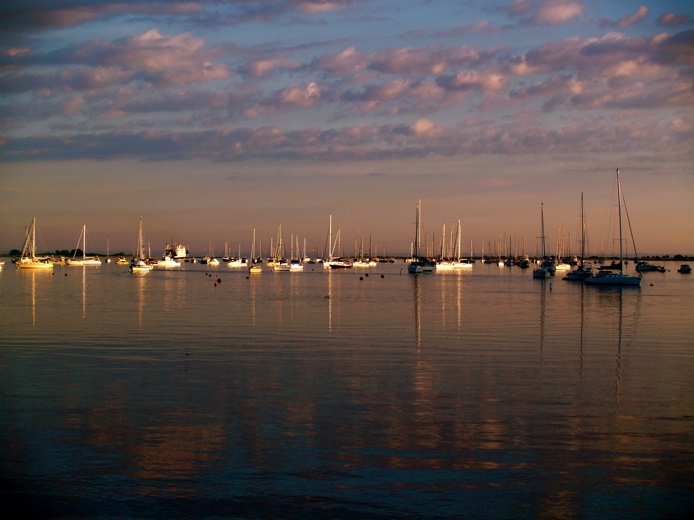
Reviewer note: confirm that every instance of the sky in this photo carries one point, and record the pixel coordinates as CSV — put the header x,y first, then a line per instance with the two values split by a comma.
x,y
214,118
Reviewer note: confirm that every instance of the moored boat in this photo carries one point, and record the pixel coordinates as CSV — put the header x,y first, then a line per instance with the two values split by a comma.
x,y
28,258
92,261
609,277
583,271
166,262
138,264
545,270
685,269
418,264
644,267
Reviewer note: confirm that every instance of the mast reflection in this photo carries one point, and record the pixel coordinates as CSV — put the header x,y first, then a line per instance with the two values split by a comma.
x,y
416,280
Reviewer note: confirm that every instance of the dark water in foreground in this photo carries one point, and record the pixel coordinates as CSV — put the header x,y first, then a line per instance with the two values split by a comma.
x,y
330,394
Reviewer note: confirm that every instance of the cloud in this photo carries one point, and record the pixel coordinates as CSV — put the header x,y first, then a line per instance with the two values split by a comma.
x,y
97,63
260,67
404,61
32,16
546,12
627,21
432,60
26,16
481,26
420,138
672,20
473,80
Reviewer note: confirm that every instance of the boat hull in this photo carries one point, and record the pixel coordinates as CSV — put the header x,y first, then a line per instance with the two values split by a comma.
x,y
613,279
34,264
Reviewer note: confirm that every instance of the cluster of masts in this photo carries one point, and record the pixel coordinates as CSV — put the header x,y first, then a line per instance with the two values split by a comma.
x,y
449,256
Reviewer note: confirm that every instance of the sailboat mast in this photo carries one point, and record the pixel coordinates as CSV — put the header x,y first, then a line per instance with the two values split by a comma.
x,y
619,207
542,213
417,229
583,231
140,245
33,238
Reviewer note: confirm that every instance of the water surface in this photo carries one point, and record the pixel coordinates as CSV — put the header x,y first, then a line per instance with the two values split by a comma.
x,y
344,394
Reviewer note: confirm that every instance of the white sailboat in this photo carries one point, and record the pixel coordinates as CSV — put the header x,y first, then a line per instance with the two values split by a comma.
x,y
138,263
605,276
459,262
253,267
85,260
28,258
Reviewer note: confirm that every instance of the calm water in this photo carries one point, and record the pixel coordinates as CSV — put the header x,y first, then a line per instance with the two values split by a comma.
x,y
332,394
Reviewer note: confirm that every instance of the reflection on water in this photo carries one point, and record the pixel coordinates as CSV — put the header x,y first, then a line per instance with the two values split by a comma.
x,y
330,394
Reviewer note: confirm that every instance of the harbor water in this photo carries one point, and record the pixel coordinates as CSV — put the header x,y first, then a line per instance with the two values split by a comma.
x,y
206,392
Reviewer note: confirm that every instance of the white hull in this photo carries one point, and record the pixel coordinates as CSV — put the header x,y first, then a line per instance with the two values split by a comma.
x,y
28,259
91,262
35,263
166,263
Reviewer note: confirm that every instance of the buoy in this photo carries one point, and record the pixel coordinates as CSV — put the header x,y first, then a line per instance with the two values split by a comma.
x,y
652,284
219,280
215,284
382,276
361,277
65,274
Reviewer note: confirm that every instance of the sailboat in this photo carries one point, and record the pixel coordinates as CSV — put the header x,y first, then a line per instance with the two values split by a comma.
x,y
138,263
235,262
459,262
211,259
85,260
253,267
280,263
418,264
543,271
28,258
583,271
607,277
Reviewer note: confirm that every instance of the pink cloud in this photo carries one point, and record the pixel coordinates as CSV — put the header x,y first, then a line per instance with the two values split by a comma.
x,y
627,21
432,60
546,12
260,67
349,62
672,19
160,59
300,95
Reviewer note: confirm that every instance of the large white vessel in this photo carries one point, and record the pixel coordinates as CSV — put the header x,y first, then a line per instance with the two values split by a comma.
x,y
176,251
